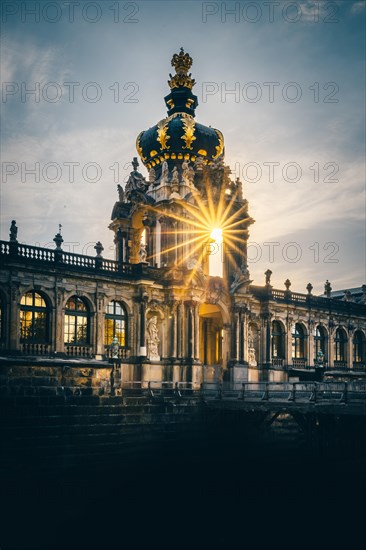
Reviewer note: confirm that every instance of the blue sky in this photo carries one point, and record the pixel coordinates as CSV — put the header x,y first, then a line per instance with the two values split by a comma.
x,y
308,230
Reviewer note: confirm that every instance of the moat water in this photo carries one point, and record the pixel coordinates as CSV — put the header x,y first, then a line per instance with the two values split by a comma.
x,y
208,493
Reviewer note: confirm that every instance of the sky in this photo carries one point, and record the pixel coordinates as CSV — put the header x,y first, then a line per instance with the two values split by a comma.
x,y
283,81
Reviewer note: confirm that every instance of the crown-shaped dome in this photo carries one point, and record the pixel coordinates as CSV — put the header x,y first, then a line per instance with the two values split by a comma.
x,y
179,137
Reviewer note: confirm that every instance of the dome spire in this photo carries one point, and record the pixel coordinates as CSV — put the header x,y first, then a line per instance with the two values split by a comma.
x,y
182,62
181,99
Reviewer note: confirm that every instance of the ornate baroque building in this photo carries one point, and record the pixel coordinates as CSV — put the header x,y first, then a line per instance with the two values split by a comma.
x,y
156,306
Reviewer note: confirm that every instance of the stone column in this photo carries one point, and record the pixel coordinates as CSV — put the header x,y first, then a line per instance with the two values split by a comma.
x,y
240,332
226,344
142,333
14,324
331,351
196,332
268,341
237,335
99,325
174,313
289,342
164,244
180,330
311,346
190,332
58,331
349,349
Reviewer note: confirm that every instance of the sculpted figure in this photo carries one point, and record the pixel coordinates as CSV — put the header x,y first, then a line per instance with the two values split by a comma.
x,y
142,252
164,173
152,338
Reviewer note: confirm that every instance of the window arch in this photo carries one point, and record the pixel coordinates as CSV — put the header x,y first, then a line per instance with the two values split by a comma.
x,y
320,341
340,342
358,347
278,340
77,322
34,316
115,324
298,341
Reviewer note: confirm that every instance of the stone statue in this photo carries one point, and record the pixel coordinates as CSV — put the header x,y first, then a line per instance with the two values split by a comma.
x,y
186,172
121,193
13,232
152,175
199,164
175,180
241,276
251,357
250,338
268,274
115,348
142,252
152,338
136,185
164,173
251,349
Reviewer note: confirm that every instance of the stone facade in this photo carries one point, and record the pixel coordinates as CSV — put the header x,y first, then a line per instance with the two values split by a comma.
x,y
169,318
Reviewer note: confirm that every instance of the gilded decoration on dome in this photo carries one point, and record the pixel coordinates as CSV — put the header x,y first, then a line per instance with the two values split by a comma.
x,y
220,147
139,148
163,137
182,62
189,128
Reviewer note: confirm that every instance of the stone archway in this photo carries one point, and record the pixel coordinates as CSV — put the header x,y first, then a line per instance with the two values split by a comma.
x,y
211,341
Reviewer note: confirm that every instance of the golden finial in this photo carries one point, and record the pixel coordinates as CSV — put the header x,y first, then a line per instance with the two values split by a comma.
x,y
182,62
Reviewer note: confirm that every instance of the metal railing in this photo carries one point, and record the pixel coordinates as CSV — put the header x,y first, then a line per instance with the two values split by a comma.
x,y
275,392
341,392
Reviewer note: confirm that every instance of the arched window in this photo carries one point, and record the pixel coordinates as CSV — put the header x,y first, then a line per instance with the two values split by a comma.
x,y
298,341
77,322
358,347
320,340
340,342
115,324
278,340
33,318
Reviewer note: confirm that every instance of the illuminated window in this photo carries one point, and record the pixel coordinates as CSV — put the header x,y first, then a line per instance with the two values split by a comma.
x,y
77,322
358,347
278,340
320,339
298,341
340,341
115,324
33,318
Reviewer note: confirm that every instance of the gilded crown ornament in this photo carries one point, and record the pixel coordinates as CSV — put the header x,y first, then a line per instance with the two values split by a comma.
x,y
182,62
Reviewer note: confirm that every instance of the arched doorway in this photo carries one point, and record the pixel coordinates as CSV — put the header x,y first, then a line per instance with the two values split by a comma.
x,y
211,341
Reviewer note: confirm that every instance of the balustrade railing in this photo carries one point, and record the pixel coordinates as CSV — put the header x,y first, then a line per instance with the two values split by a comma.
x,y
70,260
78,351
35,349
123,353
300,363
340,365
322,302
278,363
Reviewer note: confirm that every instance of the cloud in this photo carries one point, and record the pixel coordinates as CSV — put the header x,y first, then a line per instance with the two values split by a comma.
x,y
358,7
